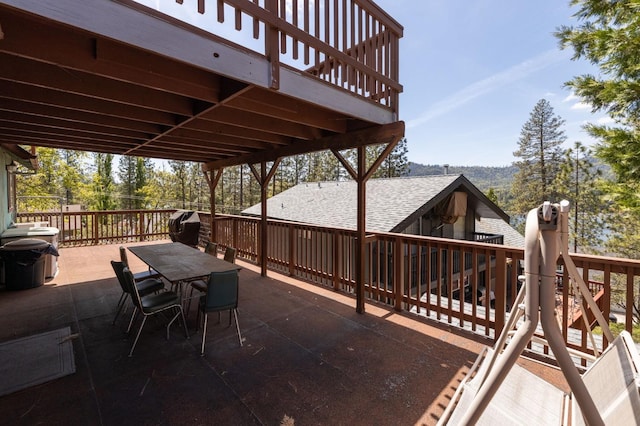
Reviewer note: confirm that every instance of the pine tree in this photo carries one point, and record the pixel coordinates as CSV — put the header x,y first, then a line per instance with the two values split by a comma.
x,y
396,163
103,183
541,154
180,172
578,183
126,175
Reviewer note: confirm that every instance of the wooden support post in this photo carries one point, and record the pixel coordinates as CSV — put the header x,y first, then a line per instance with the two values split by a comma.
x,y
360,232
212,182
263,177
361,175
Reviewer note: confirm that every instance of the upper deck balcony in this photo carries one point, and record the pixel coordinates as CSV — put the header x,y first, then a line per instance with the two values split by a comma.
x,y
230,82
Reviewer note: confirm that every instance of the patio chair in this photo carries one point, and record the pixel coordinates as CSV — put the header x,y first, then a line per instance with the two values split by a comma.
x,y
152,305
201,285
211,248
221,295
144,287
230,254
137,276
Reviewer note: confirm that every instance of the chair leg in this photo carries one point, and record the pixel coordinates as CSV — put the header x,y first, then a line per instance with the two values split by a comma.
x,y
134,315
180,313
121,302
189,302
184,323
144,319
235,313
204,333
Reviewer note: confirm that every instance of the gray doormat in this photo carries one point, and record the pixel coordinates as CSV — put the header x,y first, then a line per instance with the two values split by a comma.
x,y
36,359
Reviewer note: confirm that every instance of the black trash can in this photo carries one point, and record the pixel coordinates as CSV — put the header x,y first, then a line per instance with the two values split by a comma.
x,y
24,262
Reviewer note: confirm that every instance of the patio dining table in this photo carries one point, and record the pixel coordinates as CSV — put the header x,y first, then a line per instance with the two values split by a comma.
x,y
179,263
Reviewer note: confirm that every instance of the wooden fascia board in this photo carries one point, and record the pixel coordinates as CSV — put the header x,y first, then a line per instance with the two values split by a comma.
x,y
482,198
301,85
147,29
370,136
83,52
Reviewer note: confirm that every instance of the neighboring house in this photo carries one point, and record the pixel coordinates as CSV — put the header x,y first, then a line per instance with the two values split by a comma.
x,y
447,206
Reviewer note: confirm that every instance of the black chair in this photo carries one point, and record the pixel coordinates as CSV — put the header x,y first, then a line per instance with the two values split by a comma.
x,y
221,295
137,276
151,305
211,248
200,284
144,287
230,254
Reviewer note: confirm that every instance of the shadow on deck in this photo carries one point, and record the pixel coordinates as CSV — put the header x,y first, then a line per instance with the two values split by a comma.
x,y
308,357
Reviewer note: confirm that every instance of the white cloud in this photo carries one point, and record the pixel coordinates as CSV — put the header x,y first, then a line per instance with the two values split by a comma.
x,y
581,106
605,120
487,85
571,98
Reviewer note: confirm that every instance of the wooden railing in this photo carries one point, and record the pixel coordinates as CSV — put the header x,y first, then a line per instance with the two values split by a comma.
x,y
104,227
442,279
351,44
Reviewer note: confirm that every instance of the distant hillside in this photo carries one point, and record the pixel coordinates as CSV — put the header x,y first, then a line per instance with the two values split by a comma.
x,y
482,177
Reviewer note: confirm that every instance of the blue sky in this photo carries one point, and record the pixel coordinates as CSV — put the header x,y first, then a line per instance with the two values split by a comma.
x,y
472,72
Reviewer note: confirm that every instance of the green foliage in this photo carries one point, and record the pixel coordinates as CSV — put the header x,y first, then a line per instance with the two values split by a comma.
x,y
616,328
60,178
396,163
103,183
578,182
541,155
608,36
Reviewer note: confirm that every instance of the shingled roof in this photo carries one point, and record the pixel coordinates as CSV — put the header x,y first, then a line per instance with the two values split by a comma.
x,y
392,204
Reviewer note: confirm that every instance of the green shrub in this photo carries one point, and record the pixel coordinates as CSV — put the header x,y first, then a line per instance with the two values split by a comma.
x,y
616,328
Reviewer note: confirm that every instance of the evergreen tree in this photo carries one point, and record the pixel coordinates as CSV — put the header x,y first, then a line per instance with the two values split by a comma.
x,y
541,155
608,36
180,172
578,183
73,174
491,194
126,175
396,163
103,183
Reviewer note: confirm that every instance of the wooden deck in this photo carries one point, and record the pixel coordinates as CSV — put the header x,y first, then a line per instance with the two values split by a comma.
x,y
307,357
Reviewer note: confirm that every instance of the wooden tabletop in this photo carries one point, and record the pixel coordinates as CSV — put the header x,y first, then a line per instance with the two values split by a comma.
x,y
178,262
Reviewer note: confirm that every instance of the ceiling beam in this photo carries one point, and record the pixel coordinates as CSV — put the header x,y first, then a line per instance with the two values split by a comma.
x,y
371,136
73,116
14,69
56,99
